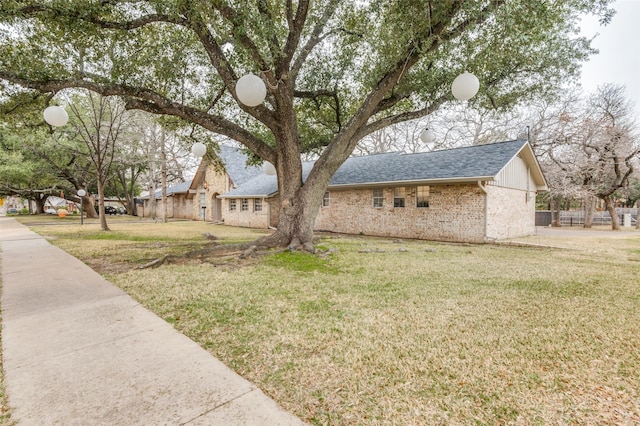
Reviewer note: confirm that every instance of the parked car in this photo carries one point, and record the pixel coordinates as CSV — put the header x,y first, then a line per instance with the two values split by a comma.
x,y
108,210
12,211
51,211
122,210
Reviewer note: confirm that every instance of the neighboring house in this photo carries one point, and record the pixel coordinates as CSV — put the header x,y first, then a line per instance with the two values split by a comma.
x,y
471,194
177,204
55,203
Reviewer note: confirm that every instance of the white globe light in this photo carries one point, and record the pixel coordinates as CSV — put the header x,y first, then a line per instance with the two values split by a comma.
x,y
427,135
268,168
250,90
465,86
81,192
199,149
56,116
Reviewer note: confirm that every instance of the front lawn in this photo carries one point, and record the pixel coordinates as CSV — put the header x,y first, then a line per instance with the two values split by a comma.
x,y
400,332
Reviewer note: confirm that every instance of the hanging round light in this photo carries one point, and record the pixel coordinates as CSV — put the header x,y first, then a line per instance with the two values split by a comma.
x,y
55,116
427,135
250,90
198,149
268,169
465,86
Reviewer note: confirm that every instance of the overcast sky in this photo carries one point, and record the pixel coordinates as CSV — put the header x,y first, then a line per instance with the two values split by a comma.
x,y
619,44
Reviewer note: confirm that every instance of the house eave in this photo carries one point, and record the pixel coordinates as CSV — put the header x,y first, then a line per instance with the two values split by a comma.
x,y
448,181
264,196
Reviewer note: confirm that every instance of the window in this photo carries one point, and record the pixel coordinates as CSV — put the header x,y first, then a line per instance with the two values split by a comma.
x,y
245,205
422,196
232,204
378,197
203,206
325,199
398,196
257,205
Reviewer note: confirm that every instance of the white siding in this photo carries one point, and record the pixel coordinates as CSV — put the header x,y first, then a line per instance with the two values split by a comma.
x,y
515,175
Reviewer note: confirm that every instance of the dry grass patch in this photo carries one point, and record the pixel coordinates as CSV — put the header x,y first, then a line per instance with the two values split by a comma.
x,y
409,333
132,243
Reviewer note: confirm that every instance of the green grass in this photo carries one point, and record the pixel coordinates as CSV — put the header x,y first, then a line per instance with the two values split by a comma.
x,y
389,332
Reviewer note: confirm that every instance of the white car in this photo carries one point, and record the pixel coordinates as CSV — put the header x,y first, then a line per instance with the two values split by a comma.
x,y
51,211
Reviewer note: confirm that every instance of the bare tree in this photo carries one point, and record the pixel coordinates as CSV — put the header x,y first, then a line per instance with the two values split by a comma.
x,y
591,150
611,145
167,161
98,122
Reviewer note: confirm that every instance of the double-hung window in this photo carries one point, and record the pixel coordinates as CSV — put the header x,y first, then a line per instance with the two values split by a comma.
x,y
378,198
422,196
398,196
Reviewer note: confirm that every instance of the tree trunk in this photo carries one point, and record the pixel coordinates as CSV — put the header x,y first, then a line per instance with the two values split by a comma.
x,y
297,217
299,203
88,205
39,204
589,208
638,214
608,203
103,216
152,201
554,203
163,172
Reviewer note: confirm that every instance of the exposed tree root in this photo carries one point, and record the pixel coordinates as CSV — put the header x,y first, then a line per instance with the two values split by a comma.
x,y
221,252
224,252
155,263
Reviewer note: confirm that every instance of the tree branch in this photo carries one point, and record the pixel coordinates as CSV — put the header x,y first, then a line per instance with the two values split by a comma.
x,y
399,118
150,101
213,123
35,9
240,34
314,39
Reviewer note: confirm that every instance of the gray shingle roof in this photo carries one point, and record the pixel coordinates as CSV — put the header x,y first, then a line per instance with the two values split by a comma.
x,y
235,163
457,164
171,190
478,161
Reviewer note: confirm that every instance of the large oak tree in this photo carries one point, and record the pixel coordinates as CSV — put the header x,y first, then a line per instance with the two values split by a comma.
x,y
335,70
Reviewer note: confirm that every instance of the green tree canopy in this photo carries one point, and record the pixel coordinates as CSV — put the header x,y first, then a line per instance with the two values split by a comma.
x,y
335,70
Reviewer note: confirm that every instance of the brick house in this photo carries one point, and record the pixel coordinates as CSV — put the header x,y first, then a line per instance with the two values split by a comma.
x,y
198,199
471,194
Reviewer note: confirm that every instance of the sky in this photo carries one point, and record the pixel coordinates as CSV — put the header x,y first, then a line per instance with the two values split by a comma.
x,y
619,44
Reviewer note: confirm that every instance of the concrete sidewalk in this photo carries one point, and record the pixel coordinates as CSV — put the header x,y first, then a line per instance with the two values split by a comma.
x,y
79,351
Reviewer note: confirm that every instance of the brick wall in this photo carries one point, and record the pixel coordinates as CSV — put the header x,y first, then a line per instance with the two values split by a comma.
x,y
179,206
274,210
248,218
511,213
455,213
217,183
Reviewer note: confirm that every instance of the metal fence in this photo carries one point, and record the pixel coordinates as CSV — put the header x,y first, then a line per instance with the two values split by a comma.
x,y
626,217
